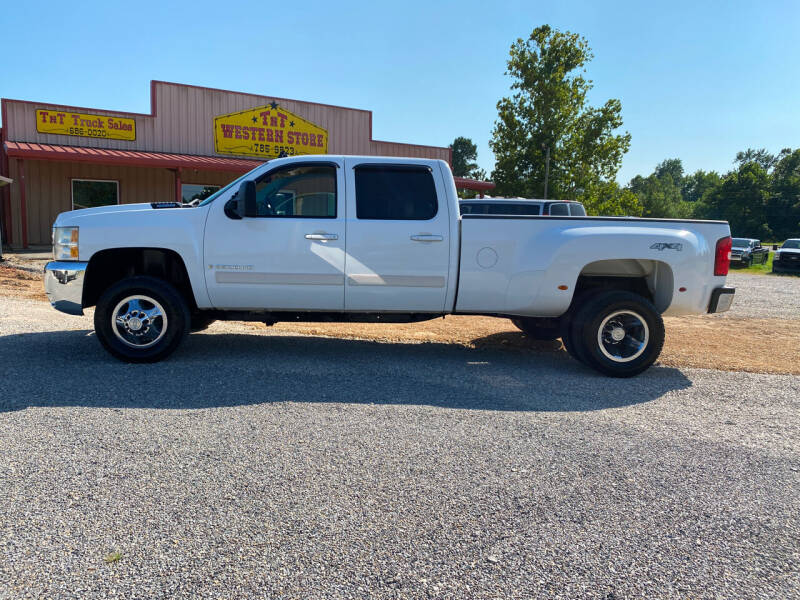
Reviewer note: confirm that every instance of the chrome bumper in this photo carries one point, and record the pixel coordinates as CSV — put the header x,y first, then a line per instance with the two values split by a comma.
x,y
63,284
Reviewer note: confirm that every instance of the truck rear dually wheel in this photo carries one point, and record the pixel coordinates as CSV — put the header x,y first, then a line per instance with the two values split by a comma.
x,y
618,333
141,319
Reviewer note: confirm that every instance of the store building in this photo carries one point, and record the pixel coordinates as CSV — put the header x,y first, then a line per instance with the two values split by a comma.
x,y
194,140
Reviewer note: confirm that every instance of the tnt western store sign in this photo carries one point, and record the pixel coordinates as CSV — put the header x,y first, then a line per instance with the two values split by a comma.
x,y
268,131
193,140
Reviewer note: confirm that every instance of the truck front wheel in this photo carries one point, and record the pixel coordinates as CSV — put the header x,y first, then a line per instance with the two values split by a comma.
x,y
618,333
141,319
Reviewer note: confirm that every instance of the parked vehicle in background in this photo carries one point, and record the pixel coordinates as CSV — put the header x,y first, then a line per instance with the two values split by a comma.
x,y
521,206
748,252
370,239
787,257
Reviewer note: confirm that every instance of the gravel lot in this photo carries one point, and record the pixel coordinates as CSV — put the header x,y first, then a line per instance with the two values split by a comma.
x,y
765,296
270,465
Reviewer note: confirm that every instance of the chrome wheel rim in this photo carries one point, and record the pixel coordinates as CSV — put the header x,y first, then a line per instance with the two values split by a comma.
x,y
623,336
139,321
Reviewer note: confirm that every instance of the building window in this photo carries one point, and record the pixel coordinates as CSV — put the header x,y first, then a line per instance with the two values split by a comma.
x,y
395,193
191,192
88,193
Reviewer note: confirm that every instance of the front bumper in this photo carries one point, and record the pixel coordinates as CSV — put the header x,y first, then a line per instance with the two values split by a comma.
x,y
63,284
721,299
786,266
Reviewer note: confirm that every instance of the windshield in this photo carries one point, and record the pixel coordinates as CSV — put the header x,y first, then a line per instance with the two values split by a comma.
x,y
741,243
791,244
216,194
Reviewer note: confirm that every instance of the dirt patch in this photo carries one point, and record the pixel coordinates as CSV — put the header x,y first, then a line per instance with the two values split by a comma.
x,y
21,284
706,341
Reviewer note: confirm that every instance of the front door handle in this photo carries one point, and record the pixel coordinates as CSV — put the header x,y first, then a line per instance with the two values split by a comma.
x,y
322,237
426,237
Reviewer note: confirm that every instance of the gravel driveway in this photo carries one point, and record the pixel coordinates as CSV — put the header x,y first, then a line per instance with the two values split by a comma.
x,y
256,465
765,296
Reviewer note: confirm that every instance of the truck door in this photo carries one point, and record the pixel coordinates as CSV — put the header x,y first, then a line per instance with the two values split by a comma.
x,y
398,237
289,257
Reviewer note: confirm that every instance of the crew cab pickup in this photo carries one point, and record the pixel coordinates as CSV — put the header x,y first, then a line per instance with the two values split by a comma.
x,y
748,251
368,239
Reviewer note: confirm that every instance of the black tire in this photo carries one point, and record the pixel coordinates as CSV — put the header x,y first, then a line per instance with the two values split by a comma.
x,y
566,339
538,328
600,318
154,319
200,322
749,263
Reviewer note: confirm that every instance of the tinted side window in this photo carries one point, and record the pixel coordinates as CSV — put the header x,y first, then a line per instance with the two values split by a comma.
x,y
303,191
395,193
559,210
577,210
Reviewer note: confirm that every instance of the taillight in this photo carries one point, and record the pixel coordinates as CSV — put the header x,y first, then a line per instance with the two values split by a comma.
x,y
722,256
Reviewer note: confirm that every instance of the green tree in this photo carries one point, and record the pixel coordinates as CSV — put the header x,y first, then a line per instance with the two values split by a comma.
x,y
549,110
465,153
698,184
783,206
766,159
661,192
607,198
742,201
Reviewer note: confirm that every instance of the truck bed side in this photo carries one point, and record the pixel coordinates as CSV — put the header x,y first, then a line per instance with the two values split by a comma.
x,y
532,266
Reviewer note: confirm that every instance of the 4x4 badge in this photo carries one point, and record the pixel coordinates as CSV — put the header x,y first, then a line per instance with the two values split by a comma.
x,y
667,246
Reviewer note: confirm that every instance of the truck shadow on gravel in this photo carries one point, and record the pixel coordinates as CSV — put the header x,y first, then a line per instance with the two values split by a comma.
x,y
69,368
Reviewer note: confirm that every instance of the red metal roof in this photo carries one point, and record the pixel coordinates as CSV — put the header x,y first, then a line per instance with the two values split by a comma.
x,y
135,158
465,183
131,158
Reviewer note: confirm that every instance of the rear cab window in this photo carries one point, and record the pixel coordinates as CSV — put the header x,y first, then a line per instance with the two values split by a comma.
x,y
395,193
576,210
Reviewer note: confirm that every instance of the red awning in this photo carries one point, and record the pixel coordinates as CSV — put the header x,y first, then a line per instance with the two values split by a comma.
x,y
130,158
465,183
136,158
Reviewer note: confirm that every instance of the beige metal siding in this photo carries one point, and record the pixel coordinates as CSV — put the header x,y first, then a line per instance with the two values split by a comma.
x,y
48,191
379,148
184,122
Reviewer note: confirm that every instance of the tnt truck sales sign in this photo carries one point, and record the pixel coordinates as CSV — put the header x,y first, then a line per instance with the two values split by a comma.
x,y
267,132
93,126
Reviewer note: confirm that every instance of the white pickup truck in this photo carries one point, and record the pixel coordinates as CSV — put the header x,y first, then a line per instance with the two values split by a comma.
x,y
367,239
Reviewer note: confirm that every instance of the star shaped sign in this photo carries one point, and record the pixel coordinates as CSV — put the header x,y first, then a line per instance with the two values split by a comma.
x,y
273,104
255,120
291,123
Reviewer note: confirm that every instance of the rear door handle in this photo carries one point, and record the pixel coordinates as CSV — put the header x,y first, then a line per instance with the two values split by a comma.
x,y
322,237
426,237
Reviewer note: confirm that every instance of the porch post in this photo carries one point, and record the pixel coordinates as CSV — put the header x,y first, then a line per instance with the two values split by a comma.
x,y
23,207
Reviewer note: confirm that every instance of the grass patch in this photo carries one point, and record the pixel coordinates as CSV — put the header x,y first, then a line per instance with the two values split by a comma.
x,y
765,269
112,557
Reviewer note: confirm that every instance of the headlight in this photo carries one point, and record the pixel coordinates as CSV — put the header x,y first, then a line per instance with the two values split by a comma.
x,y
65,243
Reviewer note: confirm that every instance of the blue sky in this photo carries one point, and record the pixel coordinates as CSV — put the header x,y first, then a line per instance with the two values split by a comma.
x,y
697,80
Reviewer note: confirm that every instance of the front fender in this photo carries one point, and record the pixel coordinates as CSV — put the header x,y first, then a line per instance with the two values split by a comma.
x,y
179,230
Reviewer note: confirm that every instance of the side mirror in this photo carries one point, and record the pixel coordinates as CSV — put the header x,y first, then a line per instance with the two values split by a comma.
x,y
246,201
